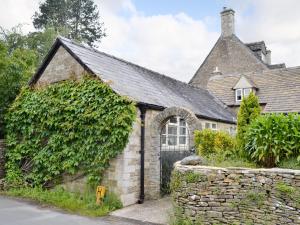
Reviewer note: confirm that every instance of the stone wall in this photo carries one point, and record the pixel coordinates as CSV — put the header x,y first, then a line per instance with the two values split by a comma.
x,y
2,159
123,175
213,195
62,67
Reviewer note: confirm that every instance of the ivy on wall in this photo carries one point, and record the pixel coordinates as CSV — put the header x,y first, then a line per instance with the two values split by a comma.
x,y
65,128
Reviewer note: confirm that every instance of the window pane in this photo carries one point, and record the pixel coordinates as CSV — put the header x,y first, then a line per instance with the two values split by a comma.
x,y
247,91
173,119
238,94
172,130
163,130
182,122
182,131
182,140
163,139
172,140
214,126
207,125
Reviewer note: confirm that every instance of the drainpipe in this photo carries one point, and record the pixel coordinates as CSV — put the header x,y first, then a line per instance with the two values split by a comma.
x,y
142,152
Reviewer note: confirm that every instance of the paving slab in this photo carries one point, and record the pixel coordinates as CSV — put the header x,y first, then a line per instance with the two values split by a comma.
x,y
154,211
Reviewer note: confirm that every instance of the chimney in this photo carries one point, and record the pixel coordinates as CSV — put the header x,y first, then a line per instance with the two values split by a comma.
x,y
268,57
227,22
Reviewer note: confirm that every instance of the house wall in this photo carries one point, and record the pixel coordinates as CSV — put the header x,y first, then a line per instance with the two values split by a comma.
x,y
123,175
220,125
62,67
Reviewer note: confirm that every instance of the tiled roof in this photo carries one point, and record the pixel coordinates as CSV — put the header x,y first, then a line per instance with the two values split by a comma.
x,y
279,89
144,85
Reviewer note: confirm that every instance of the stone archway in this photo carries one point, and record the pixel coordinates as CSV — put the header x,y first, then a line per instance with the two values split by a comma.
x,y
153,151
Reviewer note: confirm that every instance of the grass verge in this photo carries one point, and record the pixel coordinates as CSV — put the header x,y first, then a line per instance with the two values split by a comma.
x,y
78,203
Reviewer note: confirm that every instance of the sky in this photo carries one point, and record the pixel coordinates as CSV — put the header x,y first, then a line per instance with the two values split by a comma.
x,y
173,37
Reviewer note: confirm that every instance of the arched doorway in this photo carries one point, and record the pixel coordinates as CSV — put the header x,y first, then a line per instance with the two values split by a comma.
x,y
175,144
154,174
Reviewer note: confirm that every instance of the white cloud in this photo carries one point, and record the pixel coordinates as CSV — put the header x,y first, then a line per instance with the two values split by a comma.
x,y
274,21
14,12
171,44
176,44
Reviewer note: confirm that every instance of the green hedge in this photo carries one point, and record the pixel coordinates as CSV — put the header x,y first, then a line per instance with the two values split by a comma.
x,y
274,137
209,142
65,128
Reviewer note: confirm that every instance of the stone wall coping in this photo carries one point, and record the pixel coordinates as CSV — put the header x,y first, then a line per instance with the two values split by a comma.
x,y
241,170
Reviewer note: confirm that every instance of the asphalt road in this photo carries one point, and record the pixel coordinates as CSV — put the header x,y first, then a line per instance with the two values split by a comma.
x,y
15,212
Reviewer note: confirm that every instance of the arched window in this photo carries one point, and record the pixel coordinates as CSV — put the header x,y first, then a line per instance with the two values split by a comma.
x,y
175,134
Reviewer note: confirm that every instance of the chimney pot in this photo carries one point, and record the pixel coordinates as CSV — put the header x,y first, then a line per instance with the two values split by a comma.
x,y
227,22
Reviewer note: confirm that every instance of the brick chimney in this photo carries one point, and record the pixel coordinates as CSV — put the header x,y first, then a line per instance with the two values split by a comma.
x,y
227,22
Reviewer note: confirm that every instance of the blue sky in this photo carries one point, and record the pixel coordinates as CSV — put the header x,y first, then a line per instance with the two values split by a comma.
x,y
195,8
174,36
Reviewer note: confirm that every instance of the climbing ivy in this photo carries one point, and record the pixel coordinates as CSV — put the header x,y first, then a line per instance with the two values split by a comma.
x,y
65,128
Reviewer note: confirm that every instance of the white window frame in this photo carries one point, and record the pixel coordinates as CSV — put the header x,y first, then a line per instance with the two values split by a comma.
x,y
236,94
178,135
243,93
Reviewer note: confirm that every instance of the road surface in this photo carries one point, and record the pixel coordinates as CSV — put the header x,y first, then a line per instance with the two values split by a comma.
x,y
15,212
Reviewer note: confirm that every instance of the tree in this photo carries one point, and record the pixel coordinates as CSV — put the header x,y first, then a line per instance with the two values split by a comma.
x,y
16,68
52,13
249,111
78,18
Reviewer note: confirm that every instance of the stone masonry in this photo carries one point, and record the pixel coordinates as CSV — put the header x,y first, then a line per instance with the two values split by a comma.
x,y
211,195
2,159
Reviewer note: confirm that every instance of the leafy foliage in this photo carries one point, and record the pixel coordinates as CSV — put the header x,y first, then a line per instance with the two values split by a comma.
x,y
65,128
274,137
249,111
209,142
83,203
79,18
16,66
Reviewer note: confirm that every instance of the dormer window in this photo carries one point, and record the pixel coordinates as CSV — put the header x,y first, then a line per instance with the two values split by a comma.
x,y
241,93
243,88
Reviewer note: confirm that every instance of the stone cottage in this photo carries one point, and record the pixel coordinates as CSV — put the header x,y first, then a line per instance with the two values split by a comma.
x,y
233,69
170,110
168,113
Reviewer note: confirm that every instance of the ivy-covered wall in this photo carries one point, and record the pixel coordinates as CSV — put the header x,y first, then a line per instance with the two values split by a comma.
x,y
65,128
210,195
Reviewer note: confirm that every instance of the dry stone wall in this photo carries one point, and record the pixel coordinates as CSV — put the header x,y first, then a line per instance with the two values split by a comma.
x,y
210,195
2,158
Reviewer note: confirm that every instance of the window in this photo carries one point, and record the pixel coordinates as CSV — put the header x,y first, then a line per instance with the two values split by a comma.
x,y
247,91
212,126
240,93
175,133
232,130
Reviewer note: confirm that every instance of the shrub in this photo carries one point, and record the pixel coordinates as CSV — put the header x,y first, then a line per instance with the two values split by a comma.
x,y
65,128
273,137
249,111
209,142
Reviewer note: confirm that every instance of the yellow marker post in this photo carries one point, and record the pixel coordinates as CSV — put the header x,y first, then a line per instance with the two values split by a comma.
x,y
100,193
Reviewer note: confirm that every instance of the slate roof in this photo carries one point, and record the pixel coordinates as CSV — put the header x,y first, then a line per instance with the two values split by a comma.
x,y
141,84
279,89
